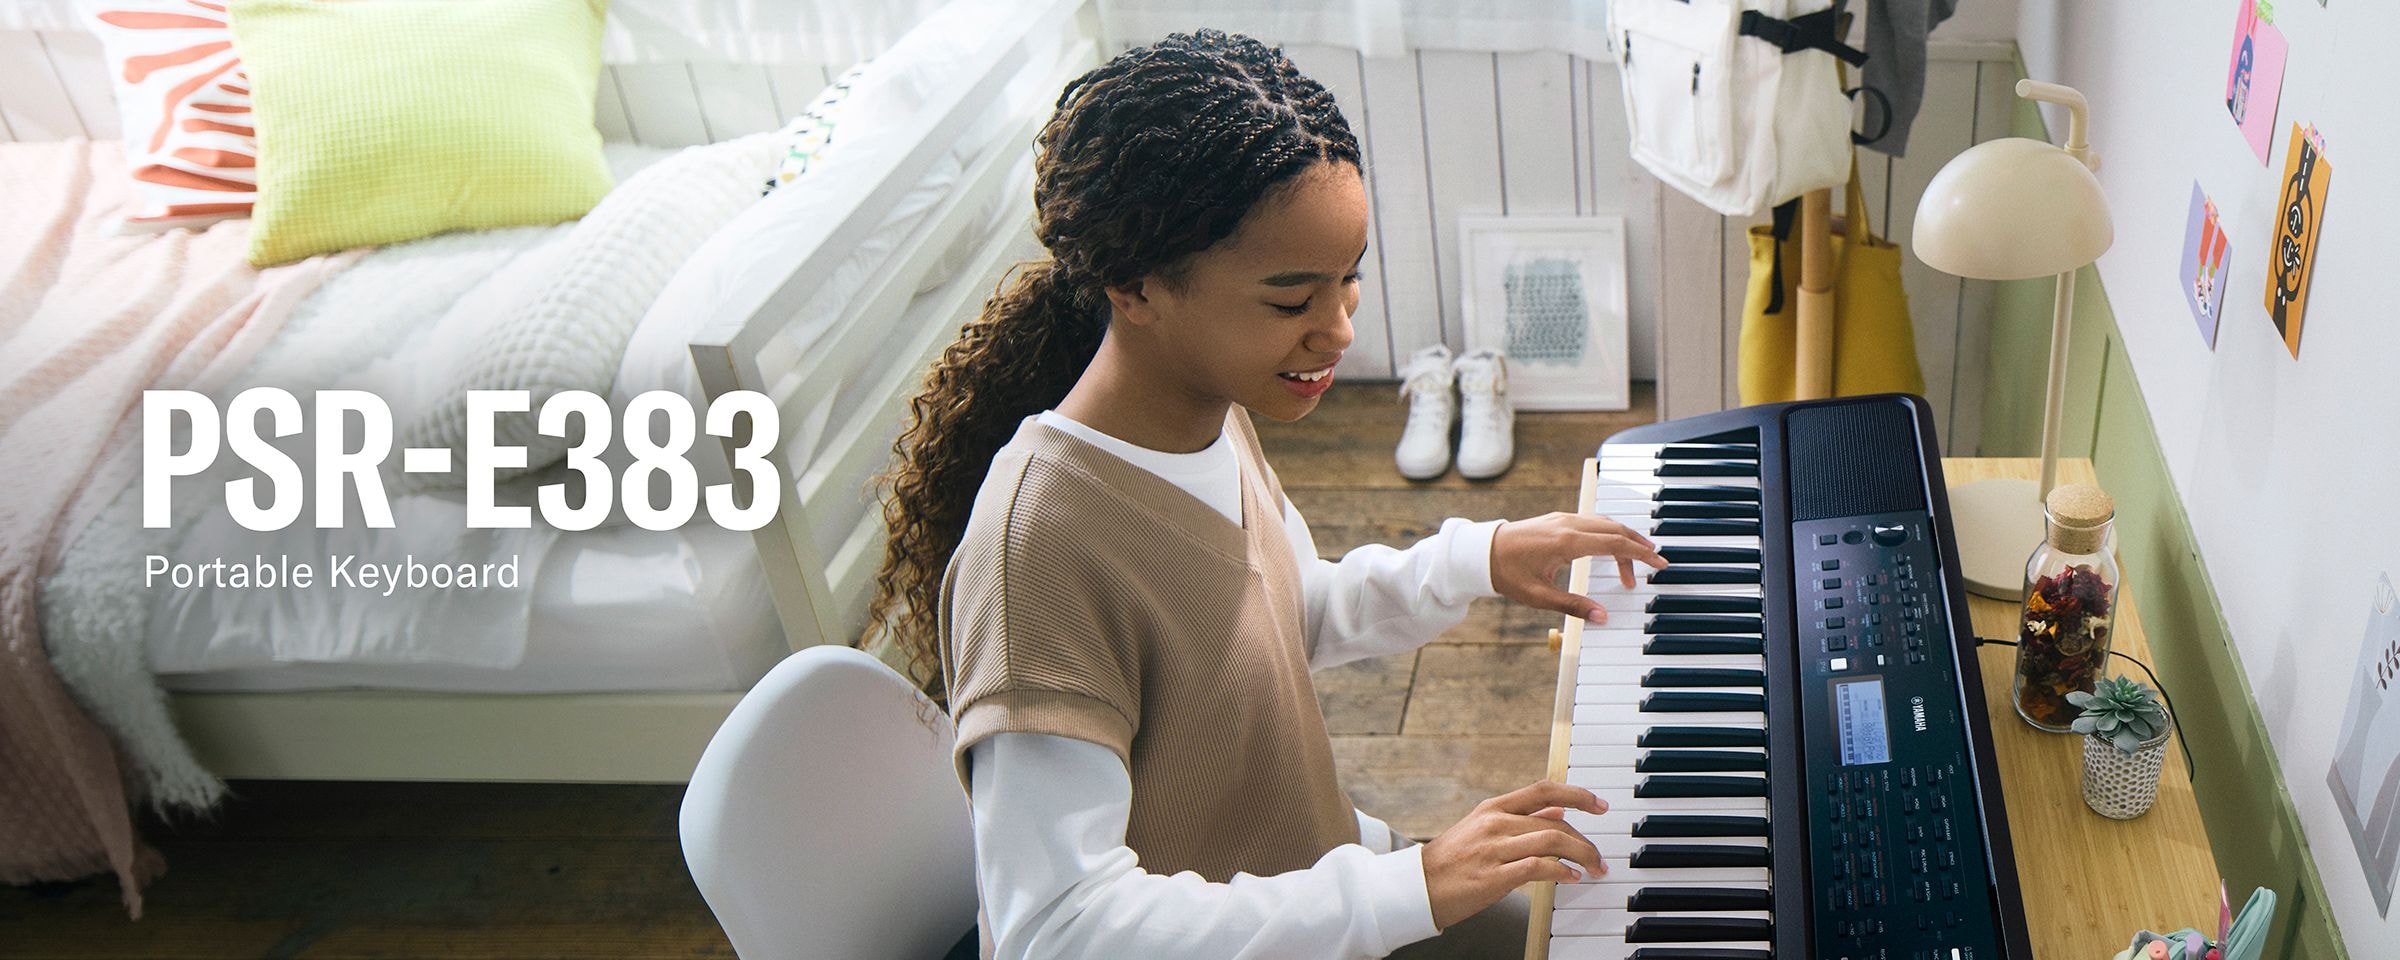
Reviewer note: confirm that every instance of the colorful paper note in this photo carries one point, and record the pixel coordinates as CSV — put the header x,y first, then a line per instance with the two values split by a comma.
x,y
2299,217
2204,259
2254,80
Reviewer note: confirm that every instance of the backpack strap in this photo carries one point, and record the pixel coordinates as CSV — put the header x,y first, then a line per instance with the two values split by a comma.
x,y
1812,31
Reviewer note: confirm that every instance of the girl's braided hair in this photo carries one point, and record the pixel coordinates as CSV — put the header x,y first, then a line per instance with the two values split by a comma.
x,y
1150,158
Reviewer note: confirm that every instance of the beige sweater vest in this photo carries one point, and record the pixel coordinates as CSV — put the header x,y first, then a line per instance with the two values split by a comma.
x,y
1093,599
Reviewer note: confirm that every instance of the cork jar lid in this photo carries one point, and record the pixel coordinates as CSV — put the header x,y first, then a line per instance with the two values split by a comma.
x,y
2079,516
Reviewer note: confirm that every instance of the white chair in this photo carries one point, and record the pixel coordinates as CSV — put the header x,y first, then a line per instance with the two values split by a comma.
x,y
825,820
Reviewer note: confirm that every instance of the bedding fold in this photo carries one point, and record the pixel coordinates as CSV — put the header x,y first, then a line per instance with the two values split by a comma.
x,y
87,322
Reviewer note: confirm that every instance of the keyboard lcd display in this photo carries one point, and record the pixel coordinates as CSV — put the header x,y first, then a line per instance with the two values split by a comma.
x,y
1858,711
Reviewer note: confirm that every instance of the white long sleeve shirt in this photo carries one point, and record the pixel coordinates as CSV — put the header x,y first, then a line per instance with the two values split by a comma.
x,y
1050,812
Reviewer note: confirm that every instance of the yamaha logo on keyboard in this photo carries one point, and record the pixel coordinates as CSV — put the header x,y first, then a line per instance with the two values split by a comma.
x,y
1916,708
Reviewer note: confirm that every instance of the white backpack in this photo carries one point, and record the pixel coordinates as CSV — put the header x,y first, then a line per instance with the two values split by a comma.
x,y
1735,102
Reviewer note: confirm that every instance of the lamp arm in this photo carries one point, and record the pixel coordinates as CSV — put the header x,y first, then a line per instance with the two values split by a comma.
x,y
2078,113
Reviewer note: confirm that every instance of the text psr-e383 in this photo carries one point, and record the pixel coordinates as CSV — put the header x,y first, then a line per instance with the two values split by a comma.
x,y
1787,721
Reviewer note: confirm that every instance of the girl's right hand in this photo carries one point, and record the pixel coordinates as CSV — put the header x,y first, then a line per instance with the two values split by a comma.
x,y
1506,842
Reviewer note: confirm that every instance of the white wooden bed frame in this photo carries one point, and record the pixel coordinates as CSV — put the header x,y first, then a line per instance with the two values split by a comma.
x,y
821,552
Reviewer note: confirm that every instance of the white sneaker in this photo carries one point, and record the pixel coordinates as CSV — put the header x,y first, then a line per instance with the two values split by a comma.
x,y
1424,451
1487,433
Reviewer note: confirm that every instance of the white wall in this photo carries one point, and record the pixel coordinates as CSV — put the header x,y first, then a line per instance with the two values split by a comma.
x,y
2290,468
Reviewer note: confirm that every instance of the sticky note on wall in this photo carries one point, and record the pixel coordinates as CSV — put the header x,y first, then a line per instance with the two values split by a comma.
x,y
2254,78
2299,218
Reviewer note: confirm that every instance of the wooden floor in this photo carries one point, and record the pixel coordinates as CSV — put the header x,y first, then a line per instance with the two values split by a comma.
x,y
390,870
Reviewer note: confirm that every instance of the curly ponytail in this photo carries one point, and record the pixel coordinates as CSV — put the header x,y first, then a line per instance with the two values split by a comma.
x,y
1150,158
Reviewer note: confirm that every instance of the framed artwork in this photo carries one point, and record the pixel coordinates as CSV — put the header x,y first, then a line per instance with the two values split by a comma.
x,y
1550,293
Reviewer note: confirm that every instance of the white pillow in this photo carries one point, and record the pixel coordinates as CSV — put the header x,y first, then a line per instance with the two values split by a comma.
x,y
571,333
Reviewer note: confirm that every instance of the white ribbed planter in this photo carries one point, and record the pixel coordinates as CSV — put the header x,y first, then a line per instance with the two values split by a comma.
x,y
2120,785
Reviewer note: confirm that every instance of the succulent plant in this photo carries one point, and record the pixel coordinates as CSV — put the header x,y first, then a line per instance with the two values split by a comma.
x,y
2120,709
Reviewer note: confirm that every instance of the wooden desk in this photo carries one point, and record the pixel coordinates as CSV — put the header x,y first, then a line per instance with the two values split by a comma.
x,y
2088,882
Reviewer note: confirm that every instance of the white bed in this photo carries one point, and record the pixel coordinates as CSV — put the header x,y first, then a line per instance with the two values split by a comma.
x,y
617,659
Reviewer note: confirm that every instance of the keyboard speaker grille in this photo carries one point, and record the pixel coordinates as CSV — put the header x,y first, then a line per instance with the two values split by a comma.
x,y
1851,458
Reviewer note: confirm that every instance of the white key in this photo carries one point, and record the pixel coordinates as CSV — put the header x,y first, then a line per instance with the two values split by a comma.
x,y
1605,583
1624,755
1631,449
1614,947
1678,876
1616,823
1622,802
1634,693
1616,848
1598,779
1601,922
1609,893
1621,665
1625,713
1626,732
1626,480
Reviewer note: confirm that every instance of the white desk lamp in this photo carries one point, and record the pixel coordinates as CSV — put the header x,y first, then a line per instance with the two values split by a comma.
x,y
2014,209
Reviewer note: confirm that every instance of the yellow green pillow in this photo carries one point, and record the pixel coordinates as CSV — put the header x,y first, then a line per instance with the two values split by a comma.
x,y
386,121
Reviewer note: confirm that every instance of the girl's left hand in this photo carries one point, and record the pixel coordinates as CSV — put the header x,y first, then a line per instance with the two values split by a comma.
x,y
1527,555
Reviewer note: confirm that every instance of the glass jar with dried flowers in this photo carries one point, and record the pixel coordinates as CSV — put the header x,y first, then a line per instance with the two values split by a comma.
x,y
2070,601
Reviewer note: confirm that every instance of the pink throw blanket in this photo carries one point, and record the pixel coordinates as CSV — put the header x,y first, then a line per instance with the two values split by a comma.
x,y
87,322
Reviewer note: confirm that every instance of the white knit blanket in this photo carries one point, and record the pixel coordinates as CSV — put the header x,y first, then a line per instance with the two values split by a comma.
x,y
401,310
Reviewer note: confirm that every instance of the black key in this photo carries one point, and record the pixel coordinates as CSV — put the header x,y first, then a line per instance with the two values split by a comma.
x,y
1699,899
1700,953
1704,677
1697,701
1705,493
1698,603
1702,737
1747,555
1680,573
1705,511
1691,825
1705,528
1701,761
1700,646
1656,856
1705,623
1680,786
1709,451
1700,930
1708,468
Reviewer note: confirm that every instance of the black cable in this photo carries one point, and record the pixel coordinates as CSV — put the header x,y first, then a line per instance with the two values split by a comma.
x,y
2191,767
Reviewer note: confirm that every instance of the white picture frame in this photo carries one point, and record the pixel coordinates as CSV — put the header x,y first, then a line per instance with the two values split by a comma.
x,y
1552,267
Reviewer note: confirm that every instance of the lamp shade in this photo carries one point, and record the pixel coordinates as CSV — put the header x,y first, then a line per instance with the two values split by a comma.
x,y
2011,209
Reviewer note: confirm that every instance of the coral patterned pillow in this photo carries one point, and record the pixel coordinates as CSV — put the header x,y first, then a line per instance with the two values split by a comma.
x,y
185,104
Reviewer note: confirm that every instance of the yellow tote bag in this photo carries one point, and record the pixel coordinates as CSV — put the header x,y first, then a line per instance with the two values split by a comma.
x,y
1874,345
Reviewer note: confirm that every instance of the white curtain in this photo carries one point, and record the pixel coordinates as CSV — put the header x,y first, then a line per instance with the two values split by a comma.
x,y
1376,27
833,32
